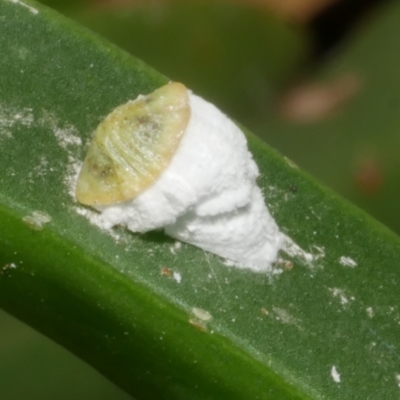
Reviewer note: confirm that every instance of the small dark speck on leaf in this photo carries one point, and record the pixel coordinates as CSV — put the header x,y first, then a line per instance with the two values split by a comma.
x,y
6,269
286,265
197,324
369,176
166,271
293,188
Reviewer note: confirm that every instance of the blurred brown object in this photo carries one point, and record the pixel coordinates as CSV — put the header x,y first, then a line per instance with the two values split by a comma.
x,y
369,175
298,11
313,102
294,10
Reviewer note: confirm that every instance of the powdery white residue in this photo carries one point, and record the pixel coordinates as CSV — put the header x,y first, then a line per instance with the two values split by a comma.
x,y
228,263
92,216
398,380
318,252
200,319
14,117
294,250
37,219
94,219
201,314
175,247
291,163
177,276
41,168
67,135
208,195
30,8
7,267
68,139
276,271
335,374
73,168
347,262
285,317
277,195
370,312
11,117
342,296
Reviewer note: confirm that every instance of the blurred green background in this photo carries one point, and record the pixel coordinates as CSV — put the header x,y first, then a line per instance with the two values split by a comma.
x,y
318,80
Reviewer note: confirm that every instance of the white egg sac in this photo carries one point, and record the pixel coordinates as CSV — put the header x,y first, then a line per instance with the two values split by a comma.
x,y
207,195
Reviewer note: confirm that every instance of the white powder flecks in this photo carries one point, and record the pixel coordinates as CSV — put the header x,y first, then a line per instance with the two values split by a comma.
x,y
370,312
5,269
41,169
30,8
347,262
200,319
398,380
175,247
94,219
342,296
37,219
228,263
318,252
177,276
335,374
293,250
201,314
286,317
23,117
73,164
168,272
67,135
68,139
11,117
208,195
291,163
92,216
73,168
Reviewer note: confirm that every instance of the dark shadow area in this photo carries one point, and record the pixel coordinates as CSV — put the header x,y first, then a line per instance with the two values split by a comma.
x,y
331,27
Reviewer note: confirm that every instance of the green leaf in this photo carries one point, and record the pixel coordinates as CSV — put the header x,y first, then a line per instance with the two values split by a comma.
x,y
48,370
235,55
355,149
107,295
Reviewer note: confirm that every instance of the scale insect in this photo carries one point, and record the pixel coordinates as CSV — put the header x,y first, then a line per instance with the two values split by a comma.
x,y
172,160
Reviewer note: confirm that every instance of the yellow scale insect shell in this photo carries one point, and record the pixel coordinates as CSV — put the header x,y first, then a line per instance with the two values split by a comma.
x,y
133,146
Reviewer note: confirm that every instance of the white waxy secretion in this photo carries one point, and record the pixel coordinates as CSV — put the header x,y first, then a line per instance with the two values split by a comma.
x,y
172,160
